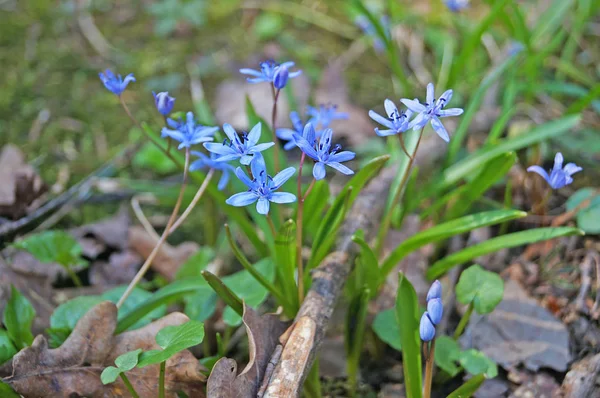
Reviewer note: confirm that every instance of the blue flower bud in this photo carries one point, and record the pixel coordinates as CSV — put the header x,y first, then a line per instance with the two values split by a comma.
x,y
435,308
163,102
426,328
280,77
435,291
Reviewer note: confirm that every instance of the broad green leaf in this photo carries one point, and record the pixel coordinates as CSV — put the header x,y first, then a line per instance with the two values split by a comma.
x,y
356,322
484,288
447,353
224,292
124,363
173,339
588,217
7,349
285,254
407,316
18,317
53,247
501,242
66,315
196,263
446,230
7,392
476,363
173,291
469,388
314,207
367,269
136,298
386,328
201,304
152,158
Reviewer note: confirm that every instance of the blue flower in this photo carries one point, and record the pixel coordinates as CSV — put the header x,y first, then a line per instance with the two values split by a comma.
x,y
396,122
115,84
559,176
324,115
426,328
435,310
235,148
188,133
432,110
456,5
267,72
435,291
321,153
262,188
164,103
281,76
288,134
212,163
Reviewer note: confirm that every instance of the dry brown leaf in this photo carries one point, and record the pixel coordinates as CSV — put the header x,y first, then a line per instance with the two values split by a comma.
x,y
120,269
263,337
168,259
20,185
107,234
74,368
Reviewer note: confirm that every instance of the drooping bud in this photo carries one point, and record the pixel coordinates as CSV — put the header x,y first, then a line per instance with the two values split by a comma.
x,y
426,328
281,77
435,308
435,291
164,103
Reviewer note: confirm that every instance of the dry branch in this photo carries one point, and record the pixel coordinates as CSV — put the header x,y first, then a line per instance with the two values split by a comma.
x,y
328,280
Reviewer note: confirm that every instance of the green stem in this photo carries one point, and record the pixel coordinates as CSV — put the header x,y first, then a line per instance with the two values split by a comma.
x,y
429,370
161,380
299,216
129,386
313,383
273,119
463,322
387,220
74,277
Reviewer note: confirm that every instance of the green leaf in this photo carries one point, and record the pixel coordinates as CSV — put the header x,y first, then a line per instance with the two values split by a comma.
x,y
501,242
314,206
386,328
124,363
136,298
550,21
588,217
476,363
446,230
152,158
469,388
224,292
285,255
66,315
407,316
484,288
18,317
201,304
7,392
367,269
447,353
173,339
53,247
194,265
7,349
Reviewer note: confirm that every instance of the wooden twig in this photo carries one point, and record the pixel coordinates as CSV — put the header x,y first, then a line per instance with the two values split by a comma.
x,y
310,325
586,284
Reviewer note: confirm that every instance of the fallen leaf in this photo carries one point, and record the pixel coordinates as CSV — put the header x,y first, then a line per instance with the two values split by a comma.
x,y
108,234
20,185
263,337
169,258
541,385
120,269
74,368
518,331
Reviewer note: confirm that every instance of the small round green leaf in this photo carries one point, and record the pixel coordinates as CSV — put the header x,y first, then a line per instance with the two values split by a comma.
x,y
386,328
447,353
18,317
588,218
475,362
128,360
109,375
173,339
484,288
53,247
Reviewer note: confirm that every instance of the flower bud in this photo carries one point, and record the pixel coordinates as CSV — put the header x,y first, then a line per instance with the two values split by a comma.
x,y
281,77
435,308
426,328
435,291
163,102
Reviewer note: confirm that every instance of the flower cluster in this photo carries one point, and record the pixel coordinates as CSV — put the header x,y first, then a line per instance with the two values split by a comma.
x,y
433,315
115,83
429,112
188,133
559,176
271,72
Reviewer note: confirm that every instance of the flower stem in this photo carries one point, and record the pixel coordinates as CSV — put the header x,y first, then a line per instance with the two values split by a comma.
x,y
74,277
429,370
273,119
161,380
463,322
387,219
299,215
129,386
194,201
163,238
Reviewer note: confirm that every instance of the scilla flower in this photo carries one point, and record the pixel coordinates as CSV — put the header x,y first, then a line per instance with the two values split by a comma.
x,y
559,176
288,134
262,187
456,5
188,133
396,122
322,152
164,103
115,84
235,147
426,328
281,76
206,162
434,313
324,115
267,72
431,111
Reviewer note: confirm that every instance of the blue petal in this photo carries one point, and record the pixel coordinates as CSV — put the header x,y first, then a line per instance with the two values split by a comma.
x,y
230,132
439,129
340,167
430,94
306,148
282,197
281,177
540,171
258,166
558,161
413,105
242,199
251,72
390,108
342,156
244,178
426,328
385,133
219,149
435,309
262,206
450,112
245,159
418,122
572,168
261,147
285,134
381,120
435,291
294,74
254,134
227,158
325,141
223,181
319,171
309,134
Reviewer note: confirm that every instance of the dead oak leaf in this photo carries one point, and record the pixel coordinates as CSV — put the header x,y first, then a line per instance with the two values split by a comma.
x,y
263,337
74,368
